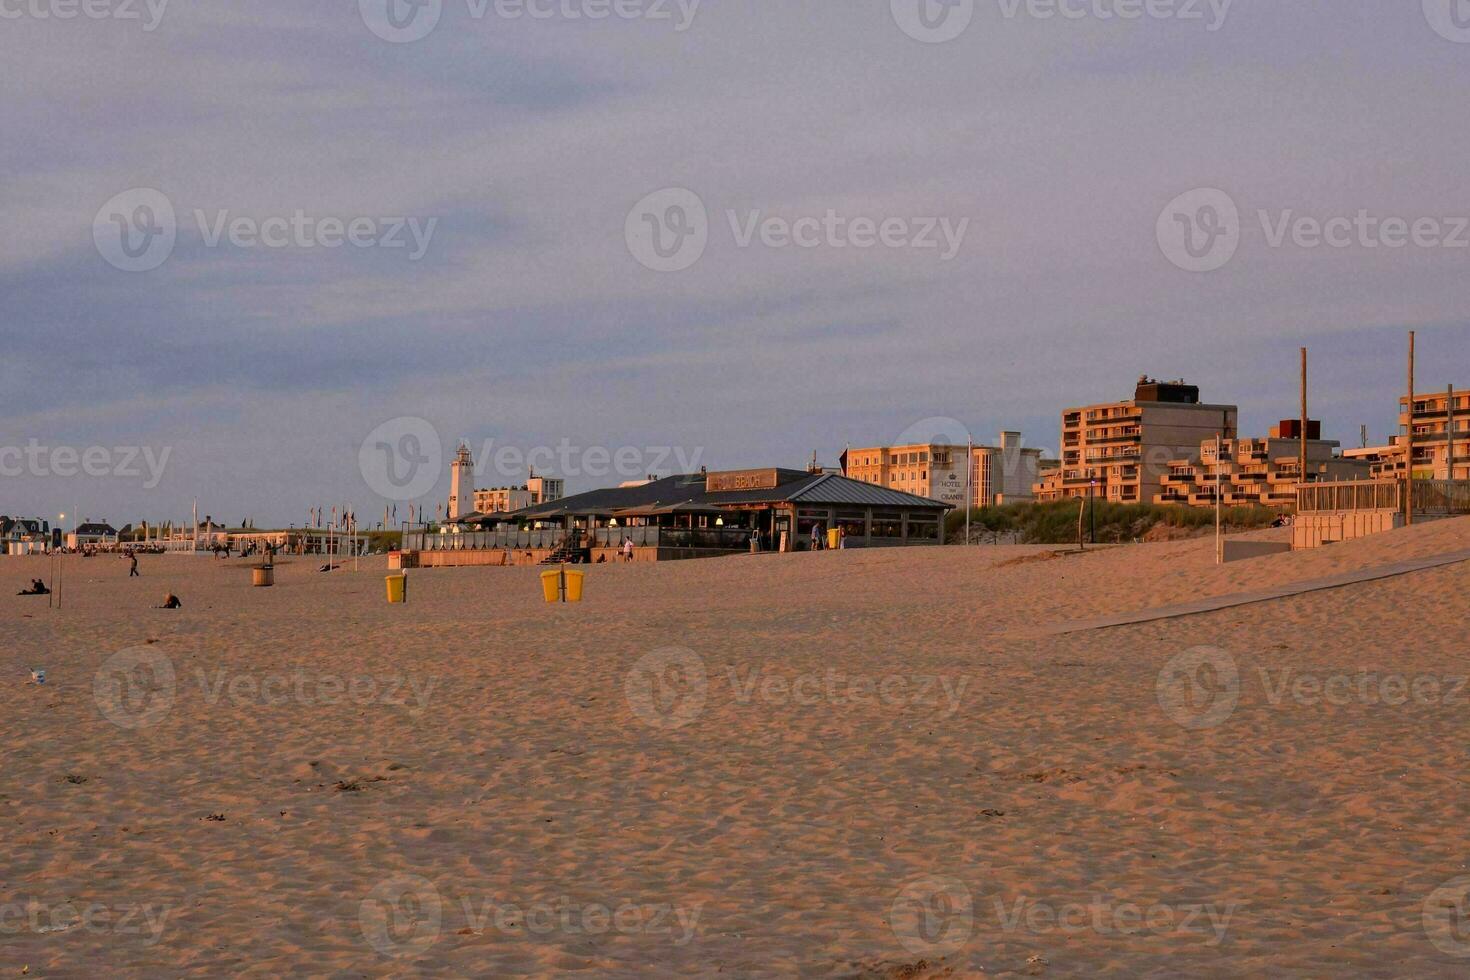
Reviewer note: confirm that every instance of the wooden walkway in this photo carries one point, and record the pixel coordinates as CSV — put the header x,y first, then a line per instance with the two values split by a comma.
x,y
1214,603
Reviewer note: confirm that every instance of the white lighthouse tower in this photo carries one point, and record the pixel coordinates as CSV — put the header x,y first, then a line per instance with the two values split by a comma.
x,y
461,484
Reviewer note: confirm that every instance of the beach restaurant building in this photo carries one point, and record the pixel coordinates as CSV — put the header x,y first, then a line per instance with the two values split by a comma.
x,y
697,515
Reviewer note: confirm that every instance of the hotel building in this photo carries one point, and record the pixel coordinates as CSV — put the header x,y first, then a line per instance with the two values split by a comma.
x,y
1120,451
1261,472
937,471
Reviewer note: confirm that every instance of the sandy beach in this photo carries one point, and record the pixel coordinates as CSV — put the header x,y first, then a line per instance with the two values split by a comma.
x,y
850,764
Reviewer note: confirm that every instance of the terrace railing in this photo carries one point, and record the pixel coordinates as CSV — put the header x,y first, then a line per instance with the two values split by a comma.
x,y
1431,497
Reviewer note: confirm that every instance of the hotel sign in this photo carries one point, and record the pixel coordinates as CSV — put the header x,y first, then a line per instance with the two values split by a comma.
x,y
740,480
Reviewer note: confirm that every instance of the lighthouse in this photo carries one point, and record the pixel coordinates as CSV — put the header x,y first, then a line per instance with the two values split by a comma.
x,y
461,484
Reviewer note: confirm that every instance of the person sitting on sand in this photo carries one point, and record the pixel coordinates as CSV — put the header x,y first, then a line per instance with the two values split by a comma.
x,y
37,588
171,601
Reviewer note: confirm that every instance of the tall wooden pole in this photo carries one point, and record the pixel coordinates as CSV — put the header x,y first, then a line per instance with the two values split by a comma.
x,y
1409,442
1219,540
1449,432
1301,473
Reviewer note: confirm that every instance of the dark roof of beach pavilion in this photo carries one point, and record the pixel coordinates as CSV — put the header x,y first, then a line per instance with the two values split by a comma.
x,y
691,492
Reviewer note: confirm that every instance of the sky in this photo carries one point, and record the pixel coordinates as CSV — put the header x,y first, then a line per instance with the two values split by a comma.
x,y
284,255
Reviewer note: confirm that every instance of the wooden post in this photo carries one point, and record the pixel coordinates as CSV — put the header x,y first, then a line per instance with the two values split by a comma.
x,y
1219,541
1449,432
1301,475
1409,442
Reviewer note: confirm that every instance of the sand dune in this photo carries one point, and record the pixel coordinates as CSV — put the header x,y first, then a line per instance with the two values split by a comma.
x,y
839,764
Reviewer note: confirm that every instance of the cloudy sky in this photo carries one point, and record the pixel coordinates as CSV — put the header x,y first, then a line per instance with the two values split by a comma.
x,y
264,239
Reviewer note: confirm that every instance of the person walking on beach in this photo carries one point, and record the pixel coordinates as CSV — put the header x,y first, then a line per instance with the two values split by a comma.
x,y
627,550
842,538
133,566
816,537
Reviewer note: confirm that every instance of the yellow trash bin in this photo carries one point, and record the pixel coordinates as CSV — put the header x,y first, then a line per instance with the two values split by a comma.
x,y
551,586
574,585
397,588
834,539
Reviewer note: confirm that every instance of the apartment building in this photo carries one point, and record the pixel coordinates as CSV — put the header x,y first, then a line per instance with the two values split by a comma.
x,y
1431,422
996,473
1120,451
536,491
1262,472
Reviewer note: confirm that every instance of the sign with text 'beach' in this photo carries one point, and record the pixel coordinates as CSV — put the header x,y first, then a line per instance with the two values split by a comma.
x,y
740,480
